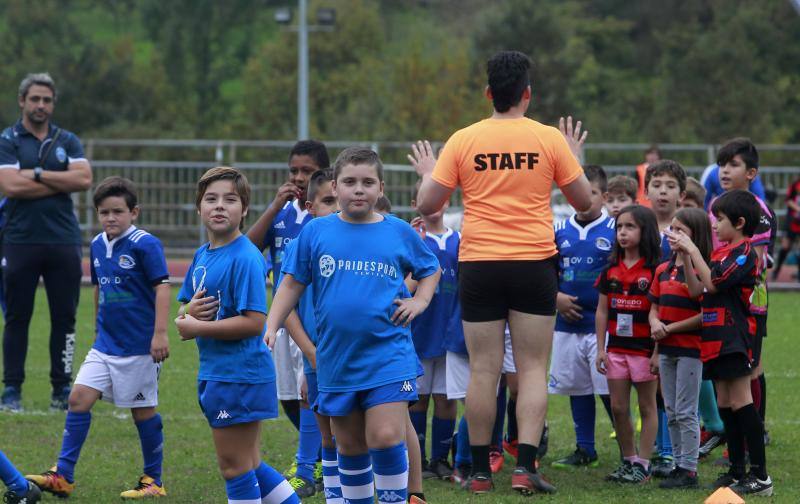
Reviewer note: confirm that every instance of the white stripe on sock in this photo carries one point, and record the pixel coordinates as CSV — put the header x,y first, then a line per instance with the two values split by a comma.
x,y
244,501
358,492
330,463
391,482
355,472
278,494
331,481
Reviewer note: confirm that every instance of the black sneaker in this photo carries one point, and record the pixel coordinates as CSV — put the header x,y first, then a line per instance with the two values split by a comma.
x,y
302,487
59,400
11,399
751,485
636,474
528,483
680,478
618,473
712,441
440,468
544,442
578,458
32,496
662,467
725,479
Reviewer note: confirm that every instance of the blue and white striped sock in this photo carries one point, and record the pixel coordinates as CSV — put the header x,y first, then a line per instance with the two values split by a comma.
x,y
274,489
243,489
330,477
390,466
355,475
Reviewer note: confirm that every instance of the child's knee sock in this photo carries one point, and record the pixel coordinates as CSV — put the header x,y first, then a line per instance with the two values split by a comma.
x,y
355,475
273,487
308,445
243,489
708,408
151,437
750,424
13,479
419,419
735,439
330,477
390,466
76,428
463,454
762,411
755,391
583,415
606,400
442,432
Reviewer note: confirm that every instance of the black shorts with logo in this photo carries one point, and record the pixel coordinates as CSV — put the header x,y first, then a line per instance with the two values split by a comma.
x,y
489,289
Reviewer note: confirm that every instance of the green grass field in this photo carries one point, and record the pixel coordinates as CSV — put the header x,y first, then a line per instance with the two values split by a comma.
x,y
111,461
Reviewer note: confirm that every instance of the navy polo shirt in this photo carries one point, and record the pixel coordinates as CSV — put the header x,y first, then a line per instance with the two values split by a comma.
x,y
45,221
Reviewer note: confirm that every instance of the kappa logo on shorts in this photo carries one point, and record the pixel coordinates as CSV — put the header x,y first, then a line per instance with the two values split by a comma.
x,y
407,387
139,397
390,496
223,415
126,262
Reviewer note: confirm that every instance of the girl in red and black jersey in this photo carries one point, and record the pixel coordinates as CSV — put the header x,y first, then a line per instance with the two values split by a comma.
x,y
675,323
622,310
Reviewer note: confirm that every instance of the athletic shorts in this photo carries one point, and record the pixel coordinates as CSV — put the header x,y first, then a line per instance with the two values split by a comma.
x,y
635,368
457,375
572,365
288,366
225,404
433,379
313,388
489,289
343,403
727,367
126,382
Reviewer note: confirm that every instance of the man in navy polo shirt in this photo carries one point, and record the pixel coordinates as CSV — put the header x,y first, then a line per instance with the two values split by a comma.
x,y
40,165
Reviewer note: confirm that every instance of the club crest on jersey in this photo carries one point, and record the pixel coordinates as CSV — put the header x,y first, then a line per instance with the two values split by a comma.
x,y
61,154
643,283
602,243
126,262
327,265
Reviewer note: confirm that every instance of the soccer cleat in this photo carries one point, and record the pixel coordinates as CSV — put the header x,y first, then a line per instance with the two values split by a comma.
x,y
621,470
709,441
303,487
528,483
495,460
440,469
461,475
480,483
578,458
51,481
59,399
636,474
510,447
145,489
32,496
680,478
291,472
663,466
11,399
318,482
725,479
544,442
751,485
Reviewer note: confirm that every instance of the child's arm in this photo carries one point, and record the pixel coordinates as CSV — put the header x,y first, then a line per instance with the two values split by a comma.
x,y
299,335
285,300
658,330
411,284
408,309
654,360
686,325
258,231
159,346
693,282
246,325
692,262
568,308
600,326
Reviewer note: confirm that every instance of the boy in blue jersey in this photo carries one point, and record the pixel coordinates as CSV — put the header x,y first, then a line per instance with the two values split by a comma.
x,y
357,261
19,490
584,242
236,379
429,332
132,298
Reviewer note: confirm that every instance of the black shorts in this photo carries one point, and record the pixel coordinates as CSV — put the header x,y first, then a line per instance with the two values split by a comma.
x,y
727,367
758,339
787,229
489,289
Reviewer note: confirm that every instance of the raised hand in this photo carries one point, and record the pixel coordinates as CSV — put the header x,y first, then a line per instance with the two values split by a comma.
x,y
573,135
422,158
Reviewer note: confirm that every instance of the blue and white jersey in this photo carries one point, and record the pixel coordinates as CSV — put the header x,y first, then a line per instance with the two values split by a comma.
x,y
126,270
284,229
357,271
430,328
583,254
235,274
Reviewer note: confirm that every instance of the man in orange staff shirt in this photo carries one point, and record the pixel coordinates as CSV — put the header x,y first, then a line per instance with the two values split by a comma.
x,y
506,166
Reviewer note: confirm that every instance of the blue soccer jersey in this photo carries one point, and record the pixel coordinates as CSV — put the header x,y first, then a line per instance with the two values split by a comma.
x,y
666,250
235,274
357,271
430,328
285,227
583,254
126,270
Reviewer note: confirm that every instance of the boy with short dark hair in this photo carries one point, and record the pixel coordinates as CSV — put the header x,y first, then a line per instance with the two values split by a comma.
x,y
132,299
621,193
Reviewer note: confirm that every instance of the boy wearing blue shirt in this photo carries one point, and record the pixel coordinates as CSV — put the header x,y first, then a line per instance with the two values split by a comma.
x,y
366,365
132,298
584,243
225,304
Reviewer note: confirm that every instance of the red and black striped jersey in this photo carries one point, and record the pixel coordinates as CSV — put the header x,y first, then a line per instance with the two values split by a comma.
x,y
728,325
628,307
670,292
792,217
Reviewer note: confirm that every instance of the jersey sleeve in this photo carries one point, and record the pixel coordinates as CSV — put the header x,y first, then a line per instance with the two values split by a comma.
x,y
601,284
734,269
446,170
74,149
92,270
766,228
566,169
151,256
250,283
421,262
298,263
655,286
187,289
8,154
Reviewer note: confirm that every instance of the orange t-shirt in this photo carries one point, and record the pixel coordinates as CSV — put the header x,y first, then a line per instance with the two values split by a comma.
x,y
506,169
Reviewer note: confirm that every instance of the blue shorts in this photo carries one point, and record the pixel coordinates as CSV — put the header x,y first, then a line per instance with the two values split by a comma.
x,y
313,389
225,404
343,403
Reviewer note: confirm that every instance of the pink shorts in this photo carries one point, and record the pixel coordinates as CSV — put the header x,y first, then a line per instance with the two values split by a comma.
x,y
635,368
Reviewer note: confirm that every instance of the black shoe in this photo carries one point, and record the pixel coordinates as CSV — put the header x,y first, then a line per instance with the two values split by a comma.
x,y
662,467
578,458
636,474
59,400
725,479
32,496
680,478
751,485
544,442
11,399
302,487
440,469
618,473
713,440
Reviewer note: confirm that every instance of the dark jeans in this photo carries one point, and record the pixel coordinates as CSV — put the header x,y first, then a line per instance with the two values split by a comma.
x,y
60,267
